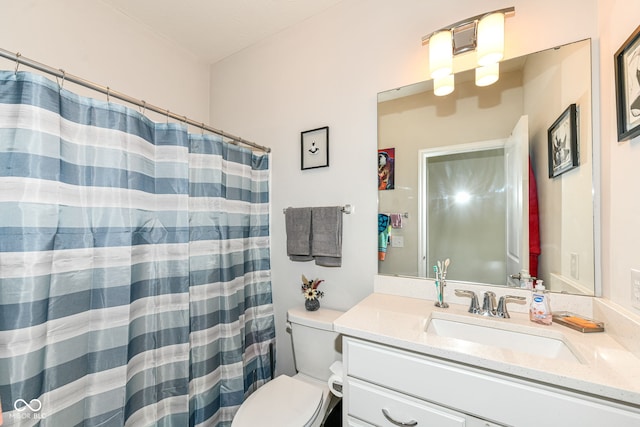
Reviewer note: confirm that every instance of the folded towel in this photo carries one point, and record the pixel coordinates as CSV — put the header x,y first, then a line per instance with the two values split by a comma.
x,y
326,236
298,227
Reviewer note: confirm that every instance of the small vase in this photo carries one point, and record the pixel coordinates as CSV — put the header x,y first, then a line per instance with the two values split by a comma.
x,y
312,304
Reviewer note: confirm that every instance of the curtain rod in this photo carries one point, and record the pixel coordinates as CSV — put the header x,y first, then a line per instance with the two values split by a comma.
x,y
19,59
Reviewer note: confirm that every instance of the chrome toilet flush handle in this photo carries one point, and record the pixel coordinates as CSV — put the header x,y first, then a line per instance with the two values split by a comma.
x,y
389,418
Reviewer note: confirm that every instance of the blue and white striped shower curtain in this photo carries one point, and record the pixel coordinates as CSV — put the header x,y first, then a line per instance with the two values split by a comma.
x,y
135,284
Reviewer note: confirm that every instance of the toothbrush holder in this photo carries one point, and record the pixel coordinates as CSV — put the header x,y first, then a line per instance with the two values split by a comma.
x,y
440,300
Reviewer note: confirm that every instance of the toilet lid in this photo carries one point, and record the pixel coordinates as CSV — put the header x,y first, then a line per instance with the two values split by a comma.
x,y
282,402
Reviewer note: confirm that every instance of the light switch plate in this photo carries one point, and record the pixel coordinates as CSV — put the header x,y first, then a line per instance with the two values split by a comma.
x,y
397,241
635,288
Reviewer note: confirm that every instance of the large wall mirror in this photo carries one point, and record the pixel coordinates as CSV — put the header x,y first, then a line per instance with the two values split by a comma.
x,y
466,176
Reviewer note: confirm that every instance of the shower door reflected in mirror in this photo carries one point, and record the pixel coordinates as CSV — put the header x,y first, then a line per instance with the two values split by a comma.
x,y
540,86
469,207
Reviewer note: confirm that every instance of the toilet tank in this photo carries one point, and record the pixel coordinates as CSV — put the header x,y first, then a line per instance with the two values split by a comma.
x,y
315,345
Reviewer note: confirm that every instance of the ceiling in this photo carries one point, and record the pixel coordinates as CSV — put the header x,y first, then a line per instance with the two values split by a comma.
x,y
215,29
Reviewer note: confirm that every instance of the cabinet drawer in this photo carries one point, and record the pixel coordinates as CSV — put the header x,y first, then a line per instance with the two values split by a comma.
x,y
352,422
369,403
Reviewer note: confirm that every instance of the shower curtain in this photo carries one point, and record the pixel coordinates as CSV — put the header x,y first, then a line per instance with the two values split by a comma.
x,y
134,265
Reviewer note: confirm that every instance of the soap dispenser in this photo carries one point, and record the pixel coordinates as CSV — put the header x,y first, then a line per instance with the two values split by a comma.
x,y
540,309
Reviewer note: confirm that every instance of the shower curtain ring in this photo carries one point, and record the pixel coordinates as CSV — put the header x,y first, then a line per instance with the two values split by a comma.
x,y
202,128
167,116
108,94
64,76
18,55
144,107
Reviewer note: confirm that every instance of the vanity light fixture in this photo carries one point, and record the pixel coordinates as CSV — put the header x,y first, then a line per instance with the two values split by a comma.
x,y
482,33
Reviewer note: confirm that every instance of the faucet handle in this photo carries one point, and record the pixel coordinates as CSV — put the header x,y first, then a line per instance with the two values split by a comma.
x,y
502,305
489,304
474,307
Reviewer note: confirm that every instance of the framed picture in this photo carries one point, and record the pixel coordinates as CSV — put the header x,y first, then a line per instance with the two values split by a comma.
x,y
314,148
564,153
627,68
386,168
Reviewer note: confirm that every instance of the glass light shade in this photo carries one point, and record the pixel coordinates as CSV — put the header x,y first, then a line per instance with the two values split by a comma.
x,y
490,39
443,85
440,54
488,74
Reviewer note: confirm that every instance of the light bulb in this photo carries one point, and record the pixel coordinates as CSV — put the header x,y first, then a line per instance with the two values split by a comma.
x,y
440,54
488,74
444,85
490,39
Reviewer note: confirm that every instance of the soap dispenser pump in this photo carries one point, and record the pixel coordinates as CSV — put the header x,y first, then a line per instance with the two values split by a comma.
x,y
540,309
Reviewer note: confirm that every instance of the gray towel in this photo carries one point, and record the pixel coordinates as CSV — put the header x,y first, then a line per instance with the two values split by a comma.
x,y
326,236
298,227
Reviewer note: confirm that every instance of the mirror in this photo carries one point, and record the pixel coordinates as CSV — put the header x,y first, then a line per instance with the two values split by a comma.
x,y
469,156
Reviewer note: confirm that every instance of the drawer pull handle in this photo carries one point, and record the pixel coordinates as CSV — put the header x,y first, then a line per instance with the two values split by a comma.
x,y
398,423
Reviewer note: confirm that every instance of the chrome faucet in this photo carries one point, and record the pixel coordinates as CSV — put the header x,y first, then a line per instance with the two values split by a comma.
x,y
489,304
474,306
501,311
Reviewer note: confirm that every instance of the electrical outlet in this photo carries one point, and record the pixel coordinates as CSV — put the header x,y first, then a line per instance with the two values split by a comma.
x,y
575,266
635,288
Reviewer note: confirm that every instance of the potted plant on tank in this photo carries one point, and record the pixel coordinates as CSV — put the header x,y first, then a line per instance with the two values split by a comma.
x,y
311,293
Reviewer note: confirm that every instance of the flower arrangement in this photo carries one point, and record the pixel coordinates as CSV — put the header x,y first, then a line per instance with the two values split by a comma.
x,y
310,288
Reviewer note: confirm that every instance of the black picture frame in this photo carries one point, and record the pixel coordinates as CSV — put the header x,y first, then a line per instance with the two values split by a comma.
x,y
314,148
564,151
627,75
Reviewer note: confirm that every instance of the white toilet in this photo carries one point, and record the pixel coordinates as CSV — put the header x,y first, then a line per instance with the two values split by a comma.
x,y
301,400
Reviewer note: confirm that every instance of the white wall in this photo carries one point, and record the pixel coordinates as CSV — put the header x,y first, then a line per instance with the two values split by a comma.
x,y
91,40
620,161
327,71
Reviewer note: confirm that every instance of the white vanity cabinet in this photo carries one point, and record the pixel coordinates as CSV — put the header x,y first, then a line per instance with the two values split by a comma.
x,y
387,386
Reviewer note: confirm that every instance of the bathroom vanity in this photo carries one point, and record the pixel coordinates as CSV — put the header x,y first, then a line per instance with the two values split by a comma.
x,y
404,368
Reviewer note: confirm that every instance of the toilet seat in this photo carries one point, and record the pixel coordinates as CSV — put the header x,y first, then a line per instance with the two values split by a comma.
x,y
282,402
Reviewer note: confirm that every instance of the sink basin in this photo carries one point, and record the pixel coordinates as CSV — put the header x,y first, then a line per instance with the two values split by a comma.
x,y
535,345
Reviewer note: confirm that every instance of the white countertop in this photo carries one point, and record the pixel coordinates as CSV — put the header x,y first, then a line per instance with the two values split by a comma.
x,y
605,369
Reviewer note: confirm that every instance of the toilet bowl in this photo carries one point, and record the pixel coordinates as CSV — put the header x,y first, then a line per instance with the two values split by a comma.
x,y
303,399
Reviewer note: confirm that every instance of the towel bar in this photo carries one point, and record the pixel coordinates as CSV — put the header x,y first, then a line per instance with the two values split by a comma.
x,y
404,214
345,209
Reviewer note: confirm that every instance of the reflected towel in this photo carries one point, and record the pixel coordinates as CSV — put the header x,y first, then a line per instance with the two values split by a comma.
x,y
396,220
534,224
298,228
326,236
383,236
